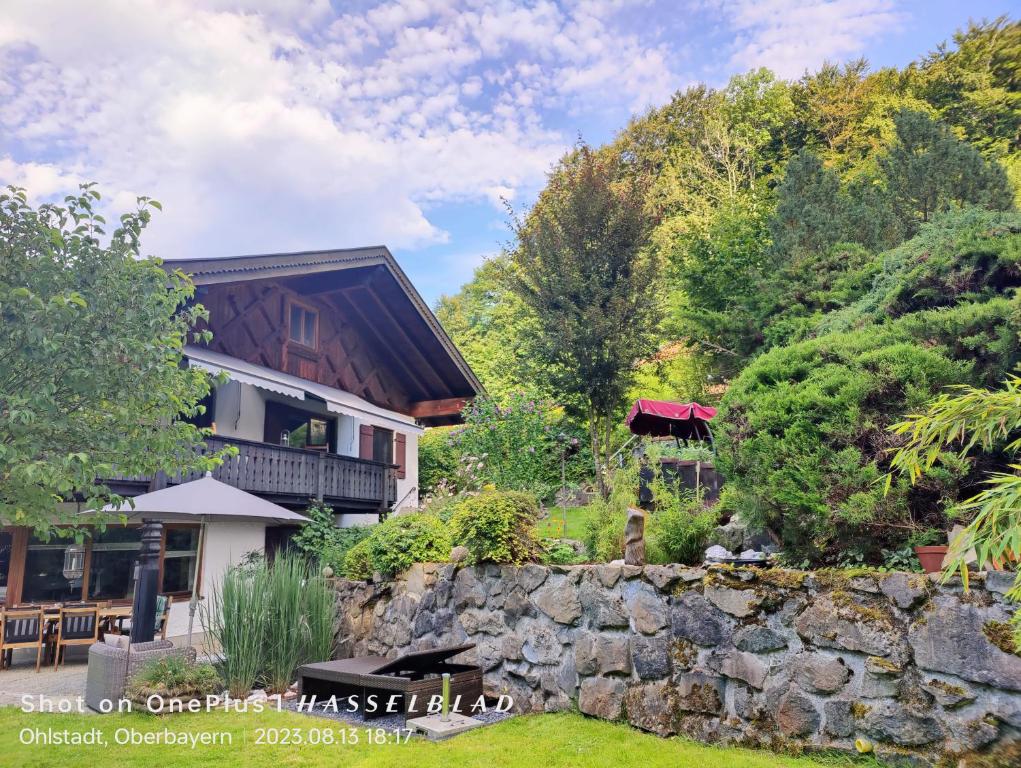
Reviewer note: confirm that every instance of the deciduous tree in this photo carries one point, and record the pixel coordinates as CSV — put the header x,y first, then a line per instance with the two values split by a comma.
x,y
91,381
582,266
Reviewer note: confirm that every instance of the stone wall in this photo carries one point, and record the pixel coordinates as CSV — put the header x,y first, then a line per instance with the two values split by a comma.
x,y
773,658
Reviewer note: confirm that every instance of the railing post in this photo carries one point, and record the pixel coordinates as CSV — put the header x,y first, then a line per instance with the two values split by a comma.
x,y
158,481
384,502
320,477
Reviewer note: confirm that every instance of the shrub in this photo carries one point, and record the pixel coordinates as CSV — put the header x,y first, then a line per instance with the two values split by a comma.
x,y
557,552
803,443
513,447
358,561
497,527
441,502
174,677
437,459
403,540
961,256
680,531
323,541
680,524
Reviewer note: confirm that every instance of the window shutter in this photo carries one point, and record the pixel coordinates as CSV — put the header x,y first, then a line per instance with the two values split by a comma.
x,y
401,454
365,441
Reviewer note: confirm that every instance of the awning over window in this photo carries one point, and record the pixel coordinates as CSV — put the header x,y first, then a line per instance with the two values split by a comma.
x,y
337,400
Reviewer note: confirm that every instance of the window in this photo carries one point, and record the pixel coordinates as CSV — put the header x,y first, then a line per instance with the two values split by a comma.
x,y
382,445
303,327
112,569
110,560
285,425
180,559
44,573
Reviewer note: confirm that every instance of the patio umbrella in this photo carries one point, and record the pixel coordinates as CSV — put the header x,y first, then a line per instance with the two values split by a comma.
x,y
204,498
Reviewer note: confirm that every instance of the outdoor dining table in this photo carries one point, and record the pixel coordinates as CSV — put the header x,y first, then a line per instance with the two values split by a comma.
x,y
107,616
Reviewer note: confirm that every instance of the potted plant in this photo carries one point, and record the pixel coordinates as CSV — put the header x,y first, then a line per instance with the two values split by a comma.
x,y
929,553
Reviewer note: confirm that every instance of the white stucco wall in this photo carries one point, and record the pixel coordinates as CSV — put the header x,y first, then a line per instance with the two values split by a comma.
x,y
347,435
225,545
407,489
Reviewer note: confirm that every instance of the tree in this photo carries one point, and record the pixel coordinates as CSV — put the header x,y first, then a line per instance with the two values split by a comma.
x,y
91,381
581,265
809,211
977,85
928,170
721,269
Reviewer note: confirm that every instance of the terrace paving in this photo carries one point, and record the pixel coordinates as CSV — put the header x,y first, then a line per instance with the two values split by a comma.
x,y
63,685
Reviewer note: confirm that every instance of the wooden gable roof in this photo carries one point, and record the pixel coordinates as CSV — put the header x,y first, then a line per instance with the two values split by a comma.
x,y
378,338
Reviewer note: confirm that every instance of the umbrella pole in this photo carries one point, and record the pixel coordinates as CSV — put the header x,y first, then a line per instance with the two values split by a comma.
x,y
193,605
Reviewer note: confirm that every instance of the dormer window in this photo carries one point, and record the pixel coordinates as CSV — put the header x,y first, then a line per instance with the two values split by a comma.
x,y
304,327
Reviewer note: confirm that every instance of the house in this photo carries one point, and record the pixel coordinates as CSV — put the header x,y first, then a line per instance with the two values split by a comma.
x,y
334,365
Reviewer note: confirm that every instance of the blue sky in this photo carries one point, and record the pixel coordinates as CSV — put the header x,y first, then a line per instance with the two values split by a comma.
x,y
269,125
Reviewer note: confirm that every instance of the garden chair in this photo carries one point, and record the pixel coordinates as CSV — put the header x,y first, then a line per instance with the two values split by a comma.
x,y
22,629
75,626
163,603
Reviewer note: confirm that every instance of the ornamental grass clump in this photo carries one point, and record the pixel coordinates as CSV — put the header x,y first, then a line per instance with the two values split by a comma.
x,y
497,527
269,618
286,631
235,619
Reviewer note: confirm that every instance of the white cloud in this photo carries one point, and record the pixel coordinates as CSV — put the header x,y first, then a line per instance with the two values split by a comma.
x,y
283,124
792,36
278,124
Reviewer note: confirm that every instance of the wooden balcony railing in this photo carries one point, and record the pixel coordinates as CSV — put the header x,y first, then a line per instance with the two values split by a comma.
x,y
294,475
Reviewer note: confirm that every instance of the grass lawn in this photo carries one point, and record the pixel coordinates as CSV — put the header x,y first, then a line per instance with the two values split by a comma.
x,y
533,741
577,519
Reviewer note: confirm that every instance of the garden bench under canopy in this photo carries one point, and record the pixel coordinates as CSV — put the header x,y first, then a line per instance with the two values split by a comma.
x,y
659,418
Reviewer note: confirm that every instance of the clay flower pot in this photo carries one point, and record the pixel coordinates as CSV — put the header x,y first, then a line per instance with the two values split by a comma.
x,y
931,558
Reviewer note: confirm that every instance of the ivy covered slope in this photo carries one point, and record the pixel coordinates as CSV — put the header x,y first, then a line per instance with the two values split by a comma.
x,y
803,430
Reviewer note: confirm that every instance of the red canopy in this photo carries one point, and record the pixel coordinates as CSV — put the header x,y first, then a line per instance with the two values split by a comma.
x,y
658,418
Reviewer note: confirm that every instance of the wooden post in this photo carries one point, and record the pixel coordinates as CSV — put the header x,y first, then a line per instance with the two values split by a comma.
x,y
320,476
385,472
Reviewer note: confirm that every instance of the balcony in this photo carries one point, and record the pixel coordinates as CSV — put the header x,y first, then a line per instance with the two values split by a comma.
x,y
288,476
